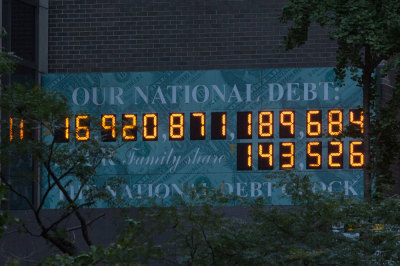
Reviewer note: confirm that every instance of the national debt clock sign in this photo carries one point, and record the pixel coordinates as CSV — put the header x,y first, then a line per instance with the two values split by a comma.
x,y
218,128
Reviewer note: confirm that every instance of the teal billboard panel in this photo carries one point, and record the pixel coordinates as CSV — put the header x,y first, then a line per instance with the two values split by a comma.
x,y
220,128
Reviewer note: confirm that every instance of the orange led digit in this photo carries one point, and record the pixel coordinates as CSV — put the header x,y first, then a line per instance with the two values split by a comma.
x,y
202,122
150,127
286,155
108,123
314,120
265,125
249,156
265,156
335,154
129,128
66,135
218,125
244,156
176,129
108,128
20,131
314,151
356,117
197,126
244,125
61,131
356,154
249,124
335,122
286,125
82,127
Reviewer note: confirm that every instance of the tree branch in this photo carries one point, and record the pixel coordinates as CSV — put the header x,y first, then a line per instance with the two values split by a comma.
x,y
76,211
88,223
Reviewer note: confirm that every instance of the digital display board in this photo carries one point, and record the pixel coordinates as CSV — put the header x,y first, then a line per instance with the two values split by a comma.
x,y
219,128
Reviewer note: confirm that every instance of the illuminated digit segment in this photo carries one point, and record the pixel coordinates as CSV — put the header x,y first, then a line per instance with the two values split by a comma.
x,y
335,154
11,128
244,156
150,127
286,155
176,126
244,125
356,154
314,151
314,121
129,127
356,117
249,156
286,125
218,125
20,131
265,125
249,124
223,125
197,126
61,132
265,156
82,127
335,122
66,135
108,133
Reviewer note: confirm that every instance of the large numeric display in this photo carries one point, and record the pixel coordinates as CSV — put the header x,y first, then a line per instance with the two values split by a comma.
x,y
214,126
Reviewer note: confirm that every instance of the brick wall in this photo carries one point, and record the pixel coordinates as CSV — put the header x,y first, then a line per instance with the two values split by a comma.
x,y
128,35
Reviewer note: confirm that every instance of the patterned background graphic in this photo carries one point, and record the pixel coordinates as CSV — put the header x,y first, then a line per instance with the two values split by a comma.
x,y
160,168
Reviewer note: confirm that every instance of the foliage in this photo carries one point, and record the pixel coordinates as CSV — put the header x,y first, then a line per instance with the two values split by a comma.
x,y
321,229
356,25
367,34
44,110
387,145
5,219
7,59
7,65
41,111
